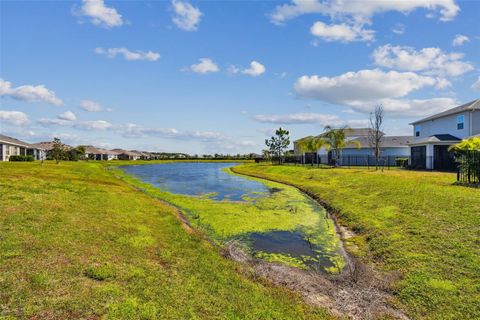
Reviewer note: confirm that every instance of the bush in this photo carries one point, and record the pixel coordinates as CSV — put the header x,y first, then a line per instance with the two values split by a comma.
x,y
401,162
21,158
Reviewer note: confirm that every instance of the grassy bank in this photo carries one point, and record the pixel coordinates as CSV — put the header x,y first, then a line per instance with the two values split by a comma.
x,y
417,223
76,242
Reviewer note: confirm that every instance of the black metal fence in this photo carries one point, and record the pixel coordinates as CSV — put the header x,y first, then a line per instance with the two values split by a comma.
x,y
468,167
346,161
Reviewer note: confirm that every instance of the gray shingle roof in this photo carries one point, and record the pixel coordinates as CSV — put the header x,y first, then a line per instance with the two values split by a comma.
x,y
387,142
469,106
437,138
13,141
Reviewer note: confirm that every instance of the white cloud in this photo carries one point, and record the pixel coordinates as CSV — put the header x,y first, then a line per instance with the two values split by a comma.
x,y
68,116
364,86
431,61
128,55
204,66
14,117
29,93
399,28
360,10
100,14
476,85
82,125
460,40
255,69
187,17
364,89
90,106
342,32
94,125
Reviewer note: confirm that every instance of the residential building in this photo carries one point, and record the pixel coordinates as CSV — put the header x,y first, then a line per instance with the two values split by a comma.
x,y
127,155
359,150
94,153
10,146
434,135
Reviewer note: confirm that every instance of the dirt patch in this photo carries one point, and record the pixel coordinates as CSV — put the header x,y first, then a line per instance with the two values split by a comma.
x,y
357,293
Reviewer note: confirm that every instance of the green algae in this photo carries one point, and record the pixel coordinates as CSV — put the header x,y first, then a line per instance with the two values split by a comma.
x,y
285,208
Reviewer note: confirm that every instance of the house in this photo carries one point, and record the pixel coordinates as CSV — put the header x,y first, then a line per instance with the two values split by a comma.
x,y
359,151
435,134
127,155
94,153
10,146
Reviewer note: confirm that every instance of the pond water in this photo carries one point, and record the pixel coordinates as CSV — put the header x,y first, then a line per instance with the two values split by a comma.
x,y
199,179
275,222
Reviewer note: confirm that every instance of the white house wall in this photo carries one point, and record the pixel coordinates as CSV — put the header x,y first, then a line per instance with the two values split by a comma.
x,y
444,125
476,123
389,151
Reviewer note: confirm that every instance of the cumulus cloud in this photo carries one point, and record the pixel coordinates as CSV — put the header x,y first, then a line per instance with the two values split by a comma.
x,y
100,14
68,116
255,69
341,32
366,88
476,85
364,85
29,93
360,10
127,54
82,125
14,117
205,65
460,40
432,61
90,106
186,17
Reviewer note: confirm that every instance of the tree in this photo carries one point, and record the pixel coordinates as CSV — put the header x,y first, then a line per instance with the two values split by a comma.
x,y
375,134
311,145
279,143
58,150
336,140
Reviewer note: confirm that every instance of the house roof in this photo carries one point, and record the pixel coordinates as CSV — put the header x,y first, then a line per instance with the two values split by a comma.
x,y
14,141
437,138
47,145
387,142
469,106
128,153
350,132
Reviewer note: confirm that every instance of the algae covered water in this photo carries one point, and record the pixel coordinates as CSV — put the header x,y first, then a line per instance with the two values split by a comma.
x,y
272,221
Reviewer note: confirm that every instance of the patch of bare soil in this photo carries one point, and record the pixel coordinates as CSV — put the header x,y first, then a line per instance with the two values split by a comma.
x,y
359,292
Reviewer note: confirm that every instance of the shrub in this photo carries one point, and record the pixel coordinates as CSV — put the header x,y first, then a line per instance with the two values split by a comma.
x,y
21,158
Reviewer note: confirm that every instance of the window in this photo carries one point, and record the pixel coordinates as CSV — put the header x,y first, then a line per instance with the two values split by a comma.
x,y
460,122
418,129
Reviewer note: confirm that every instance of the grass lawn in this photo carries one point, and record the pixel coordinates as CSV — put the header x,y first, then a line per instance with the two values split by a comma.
x,y
76,242
417,223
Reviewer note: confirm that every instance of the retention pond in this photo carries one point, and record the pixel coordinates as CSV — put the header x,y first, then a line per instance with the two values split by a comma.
x,y
272,221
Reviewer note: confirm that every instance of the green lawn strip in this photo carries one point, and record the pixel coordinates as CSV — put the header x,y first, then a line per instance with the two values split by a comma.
x,y
287,209
76,242
418,223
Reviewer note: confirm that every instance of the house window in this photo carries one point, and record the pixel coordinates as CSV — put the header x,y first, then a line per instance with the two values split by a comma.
x,y
418,129
460,122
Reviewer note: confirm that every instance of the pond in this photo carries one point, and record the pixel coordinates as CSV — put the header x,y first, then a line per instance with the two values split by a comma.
x,y
272,221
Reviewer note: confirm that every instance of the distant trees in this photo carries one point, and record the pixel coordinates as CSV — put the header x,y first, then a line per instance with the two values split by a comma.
x,y
375,134
278,144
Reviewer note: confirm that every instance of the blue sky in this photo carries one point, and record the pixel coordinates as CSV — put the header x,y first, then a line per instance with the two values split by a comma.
x,y
219,76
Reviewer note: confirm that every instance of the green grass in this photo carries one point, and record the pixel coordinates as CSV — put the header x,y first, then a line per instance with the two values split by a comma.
x,y
417,223
77,242
287,209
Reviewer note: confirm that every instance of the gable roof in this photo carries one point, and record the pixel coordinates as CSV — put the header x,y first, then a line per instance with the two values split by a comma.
x,y
469,106
437,138
47,145
387,142
349,132
14,141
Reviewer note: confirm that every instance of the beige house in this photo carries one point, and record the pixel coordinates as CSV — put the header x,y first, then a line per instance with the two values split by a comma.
x,y
13,147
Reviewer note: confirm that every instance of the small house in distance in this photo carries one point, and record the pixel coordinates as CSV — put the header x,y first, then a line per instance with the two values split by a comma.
x,y
434,135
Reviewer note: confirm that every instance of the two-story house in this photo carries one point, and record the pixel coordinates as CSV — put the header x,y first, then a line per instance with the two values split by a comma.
x,y
435,134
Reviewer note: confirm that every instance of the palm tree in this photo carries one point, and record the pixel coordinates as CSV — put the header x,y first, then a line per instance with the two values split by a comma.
x,y
311,145
336,140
